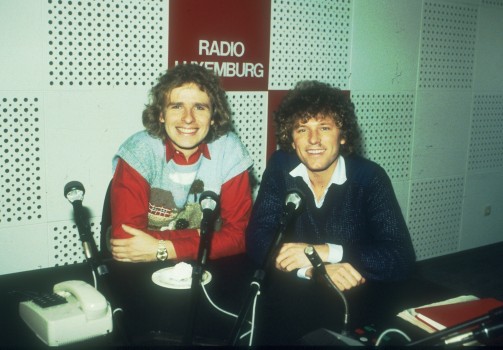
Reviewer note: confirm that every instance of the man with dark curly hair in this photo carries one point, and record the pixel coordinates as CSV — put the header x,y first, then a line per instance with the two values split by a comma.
x,y
160,173
350,213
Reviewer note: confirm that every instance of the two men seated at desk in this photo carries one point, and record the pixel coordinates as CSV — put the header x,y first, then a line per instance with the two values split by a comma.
x,y
350,212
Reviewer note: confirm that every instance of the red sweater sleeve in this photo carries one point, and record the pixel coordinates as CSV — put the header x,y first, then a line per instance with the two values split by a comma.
x,y
129,200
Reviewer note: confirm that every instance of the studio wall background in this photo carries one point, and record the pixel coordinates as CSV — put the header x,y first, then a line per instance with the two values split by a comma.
x,y
426,77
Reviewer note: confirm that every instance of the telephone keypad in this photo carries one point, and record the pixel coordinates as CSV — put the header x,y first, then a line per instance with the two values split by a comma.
x,y
48,300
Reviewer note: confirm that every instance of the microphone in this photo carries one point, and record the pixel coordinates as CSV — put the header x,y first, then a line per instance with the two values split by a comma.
x,y
315,260
293,204
209,204
320,270
74,191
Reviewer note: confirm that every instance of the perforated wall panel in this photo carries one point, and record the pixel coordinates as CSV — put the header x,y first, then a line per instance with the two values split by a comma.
x,y
106,42
435,215
301,28
386,122
65,245
21,166
497,3
486,139
447,45
249,116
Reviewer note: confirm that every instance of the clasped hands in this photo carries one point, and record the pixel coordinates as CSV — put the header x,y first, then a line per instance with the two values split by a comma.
x,y
291,256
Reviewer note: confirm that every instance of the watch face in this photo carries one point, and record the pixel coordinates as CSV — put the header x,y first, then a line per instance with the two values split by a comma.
x,y
162,255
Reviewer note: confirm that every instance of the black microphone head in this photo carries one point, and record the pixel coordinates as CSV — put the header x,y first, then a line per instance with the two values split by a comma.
x,y
309,250
313,256
208,200
294,197
74,190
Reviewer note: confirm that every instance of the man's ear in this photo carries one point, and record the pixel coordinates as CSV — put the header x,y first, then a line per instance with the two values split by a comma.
x,y
343,141
161,117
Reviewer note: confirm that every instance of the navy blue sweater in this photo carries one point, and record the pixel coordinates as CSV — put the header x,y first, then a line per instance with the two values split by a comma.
x,y
362,215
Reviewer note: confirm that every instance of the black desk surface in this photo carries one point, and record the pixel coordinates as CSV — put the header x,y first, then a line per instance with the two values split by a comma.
x,y
287,309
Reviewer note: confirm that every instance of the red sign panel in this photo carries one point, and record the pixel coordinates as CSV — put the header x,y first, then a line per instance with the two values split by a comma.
x,y
230,37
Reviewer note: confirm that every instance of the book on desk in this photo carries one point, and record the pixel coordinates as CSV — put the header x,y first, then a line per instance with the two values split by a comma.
x,y
448,313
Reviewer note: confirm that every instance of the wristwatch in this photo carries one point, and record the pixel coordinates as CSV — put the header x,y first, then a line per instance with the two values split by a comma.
x,y
162,251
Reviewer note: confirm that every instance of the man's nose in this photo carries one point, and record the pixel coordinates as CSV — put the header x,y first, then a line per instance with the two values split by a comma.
x,y
314,137
188,115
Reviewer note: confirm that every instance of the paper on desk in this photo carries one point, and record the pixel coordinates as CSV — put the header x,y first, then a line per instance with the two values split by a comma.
x,y
409,315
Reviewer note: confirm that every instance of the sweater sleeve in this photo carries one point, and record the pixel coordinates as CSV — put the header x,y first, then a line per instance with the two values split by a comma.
x,y
130,198
387,252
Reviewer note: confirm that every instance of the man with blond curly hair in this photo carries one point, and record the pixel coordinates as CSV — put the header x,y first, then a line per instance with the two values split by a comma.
x,y
159,173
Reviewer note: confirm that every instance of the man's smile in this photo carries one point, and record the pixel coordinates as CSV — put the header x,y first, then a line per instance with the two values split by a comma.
x,y
187,131
315,151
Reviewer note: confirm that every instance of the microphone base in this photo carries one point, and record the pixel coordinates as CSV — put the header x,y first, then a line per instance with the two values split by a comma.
x,y
325,337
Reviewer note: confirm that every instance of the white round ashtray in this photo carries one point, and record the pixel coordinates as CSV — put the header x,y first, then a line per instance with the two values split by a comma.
x,y
178,276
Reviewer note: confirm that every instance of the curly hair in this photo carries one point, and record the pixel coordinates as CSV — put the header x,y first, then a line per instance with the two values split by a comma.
x,y
312,99
180,75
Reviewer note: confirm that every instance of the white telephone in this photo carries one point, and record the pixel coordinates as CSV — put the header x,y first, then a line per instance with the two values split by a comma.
x,y
75,312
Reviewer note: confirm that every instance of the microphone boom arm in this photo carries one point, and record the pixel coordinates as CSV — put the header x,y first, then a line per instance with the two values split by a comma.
x,y
319,268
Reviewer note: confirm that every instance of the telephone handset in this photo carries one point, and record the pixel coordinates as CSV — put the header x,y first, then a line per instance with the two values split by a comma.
x,y
92,302
75,312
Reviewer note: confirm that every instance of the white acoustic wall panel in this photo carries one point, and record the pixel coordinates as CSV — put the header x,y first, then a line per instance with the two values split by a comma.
x,y
22,170
439,159
23,248
385,45
441,133
22,39
435,215
84,130
105,43
386,123
249,119
64,244
486,139
447,45
482,209
310,40
488,72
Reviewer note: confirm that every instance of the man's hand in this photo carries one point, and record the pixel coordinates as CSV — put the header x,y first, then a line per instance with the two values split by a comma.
x,y
291,256
343,275
139,248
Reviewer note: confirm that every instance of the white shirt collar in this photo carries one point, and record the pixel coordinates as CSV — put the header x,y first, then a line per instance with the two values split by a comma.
x,y
338,178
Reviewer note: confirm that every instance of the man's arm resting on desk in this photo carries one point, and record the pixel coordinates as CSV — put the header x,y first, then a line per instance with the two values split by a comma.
x,y
130,197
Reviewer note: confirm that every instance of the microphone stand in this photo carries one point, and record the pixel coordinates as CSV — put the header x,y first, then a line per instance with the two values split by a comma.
x,y
88,243
258,278
74,192
319,270
197,277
